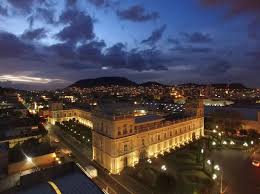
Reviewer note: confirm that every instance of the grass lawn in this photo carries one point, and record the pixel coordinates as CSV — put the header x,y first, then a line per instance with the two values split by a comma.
x,y
184,175
77,130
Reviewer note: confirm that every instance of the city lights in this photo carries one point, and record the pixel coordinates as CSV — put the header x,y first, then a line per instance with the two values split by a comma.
x,y
163,167
214,176
213,143
216,167
209,162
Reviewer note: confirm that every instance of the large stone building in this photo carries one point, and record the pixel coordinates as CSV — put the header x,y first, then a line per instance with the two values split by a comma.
x,y
56,113
121,139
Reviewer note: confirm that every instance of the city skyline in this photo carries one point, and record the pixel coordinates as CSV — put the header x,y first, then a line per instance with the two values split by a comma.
x,y
55,43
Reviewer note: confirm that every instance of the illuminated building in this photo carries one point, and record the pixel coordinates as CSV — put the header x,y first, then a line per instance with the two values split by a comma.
x,y
121,140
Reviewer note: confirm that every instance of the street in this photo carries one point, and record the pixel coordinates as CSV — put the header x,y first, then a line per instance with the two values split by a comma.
x,y
238,173
104,180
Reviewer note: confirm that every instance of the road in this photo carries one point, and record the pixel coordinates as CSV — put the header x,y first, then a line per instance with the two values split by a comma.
x,y
104,180
238,173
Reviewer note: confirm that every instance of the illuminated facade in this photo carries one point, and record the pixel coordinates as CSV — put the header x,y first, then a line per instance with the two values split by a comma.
x,y
123,140
120,141
58,114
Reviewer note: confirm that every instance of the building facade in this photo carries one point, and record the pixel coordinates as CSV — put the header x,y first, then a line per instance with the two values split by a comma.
x,y
121,141
58,114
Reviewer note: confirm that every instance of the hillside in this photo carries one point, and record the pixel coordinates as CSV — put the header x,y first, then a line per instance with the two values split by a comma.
x,y
103,81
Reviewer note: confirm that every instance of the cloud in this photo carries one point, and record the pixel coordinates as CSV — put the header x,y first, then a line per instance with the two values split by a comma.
x,y
46,14
155,36
118,57
191,49
137,13
235,6
98,3
197,37
240,7
173,41
215,69
36,34
79,26
70,3
26,5
64,50
11,46
74,65
27,79
92,51
3,11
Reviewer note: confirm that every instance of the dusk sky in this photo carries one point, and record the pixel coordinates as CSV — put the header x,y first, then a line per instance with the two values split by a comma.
x,y
52,43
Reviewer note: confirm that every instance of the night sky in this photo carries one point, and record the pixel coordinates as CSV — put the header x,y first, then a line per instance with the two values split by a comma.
x,y
52,43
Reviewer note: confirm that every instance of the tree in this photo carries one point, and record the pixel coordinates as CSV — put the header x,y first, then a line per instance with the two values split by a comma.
x,y
228,120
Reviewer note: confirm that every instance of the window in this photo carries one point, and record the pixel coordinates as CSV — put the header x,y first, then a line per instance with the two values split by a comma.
x,y
143,142
170,133
131,128
125,129
165,136
125,147
159,138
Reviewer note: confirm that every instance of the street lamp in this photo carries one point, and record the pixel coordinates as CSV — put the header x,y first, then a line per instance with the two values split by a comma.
x,y
232,143
149,161
214,176
224,143
29,159
163,167
245,144
213,143
208,162
216,126
252,142
216,167
202,151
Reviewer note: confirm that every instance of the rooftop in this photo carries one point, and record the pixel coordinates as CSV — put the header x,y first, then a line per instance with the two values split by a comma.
x,y
68,179
148,118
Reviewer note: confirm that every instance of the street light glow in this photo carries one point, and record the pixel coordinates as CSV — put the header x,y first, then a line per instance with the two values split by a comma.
x,y
149,161
232,143
214,176
209,162
29,159
245,144
163,168
216,167
213,143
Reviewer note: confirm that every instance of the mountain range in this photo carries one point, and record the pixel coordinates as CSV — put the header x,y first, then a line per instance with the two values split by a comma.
x,y
121,81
